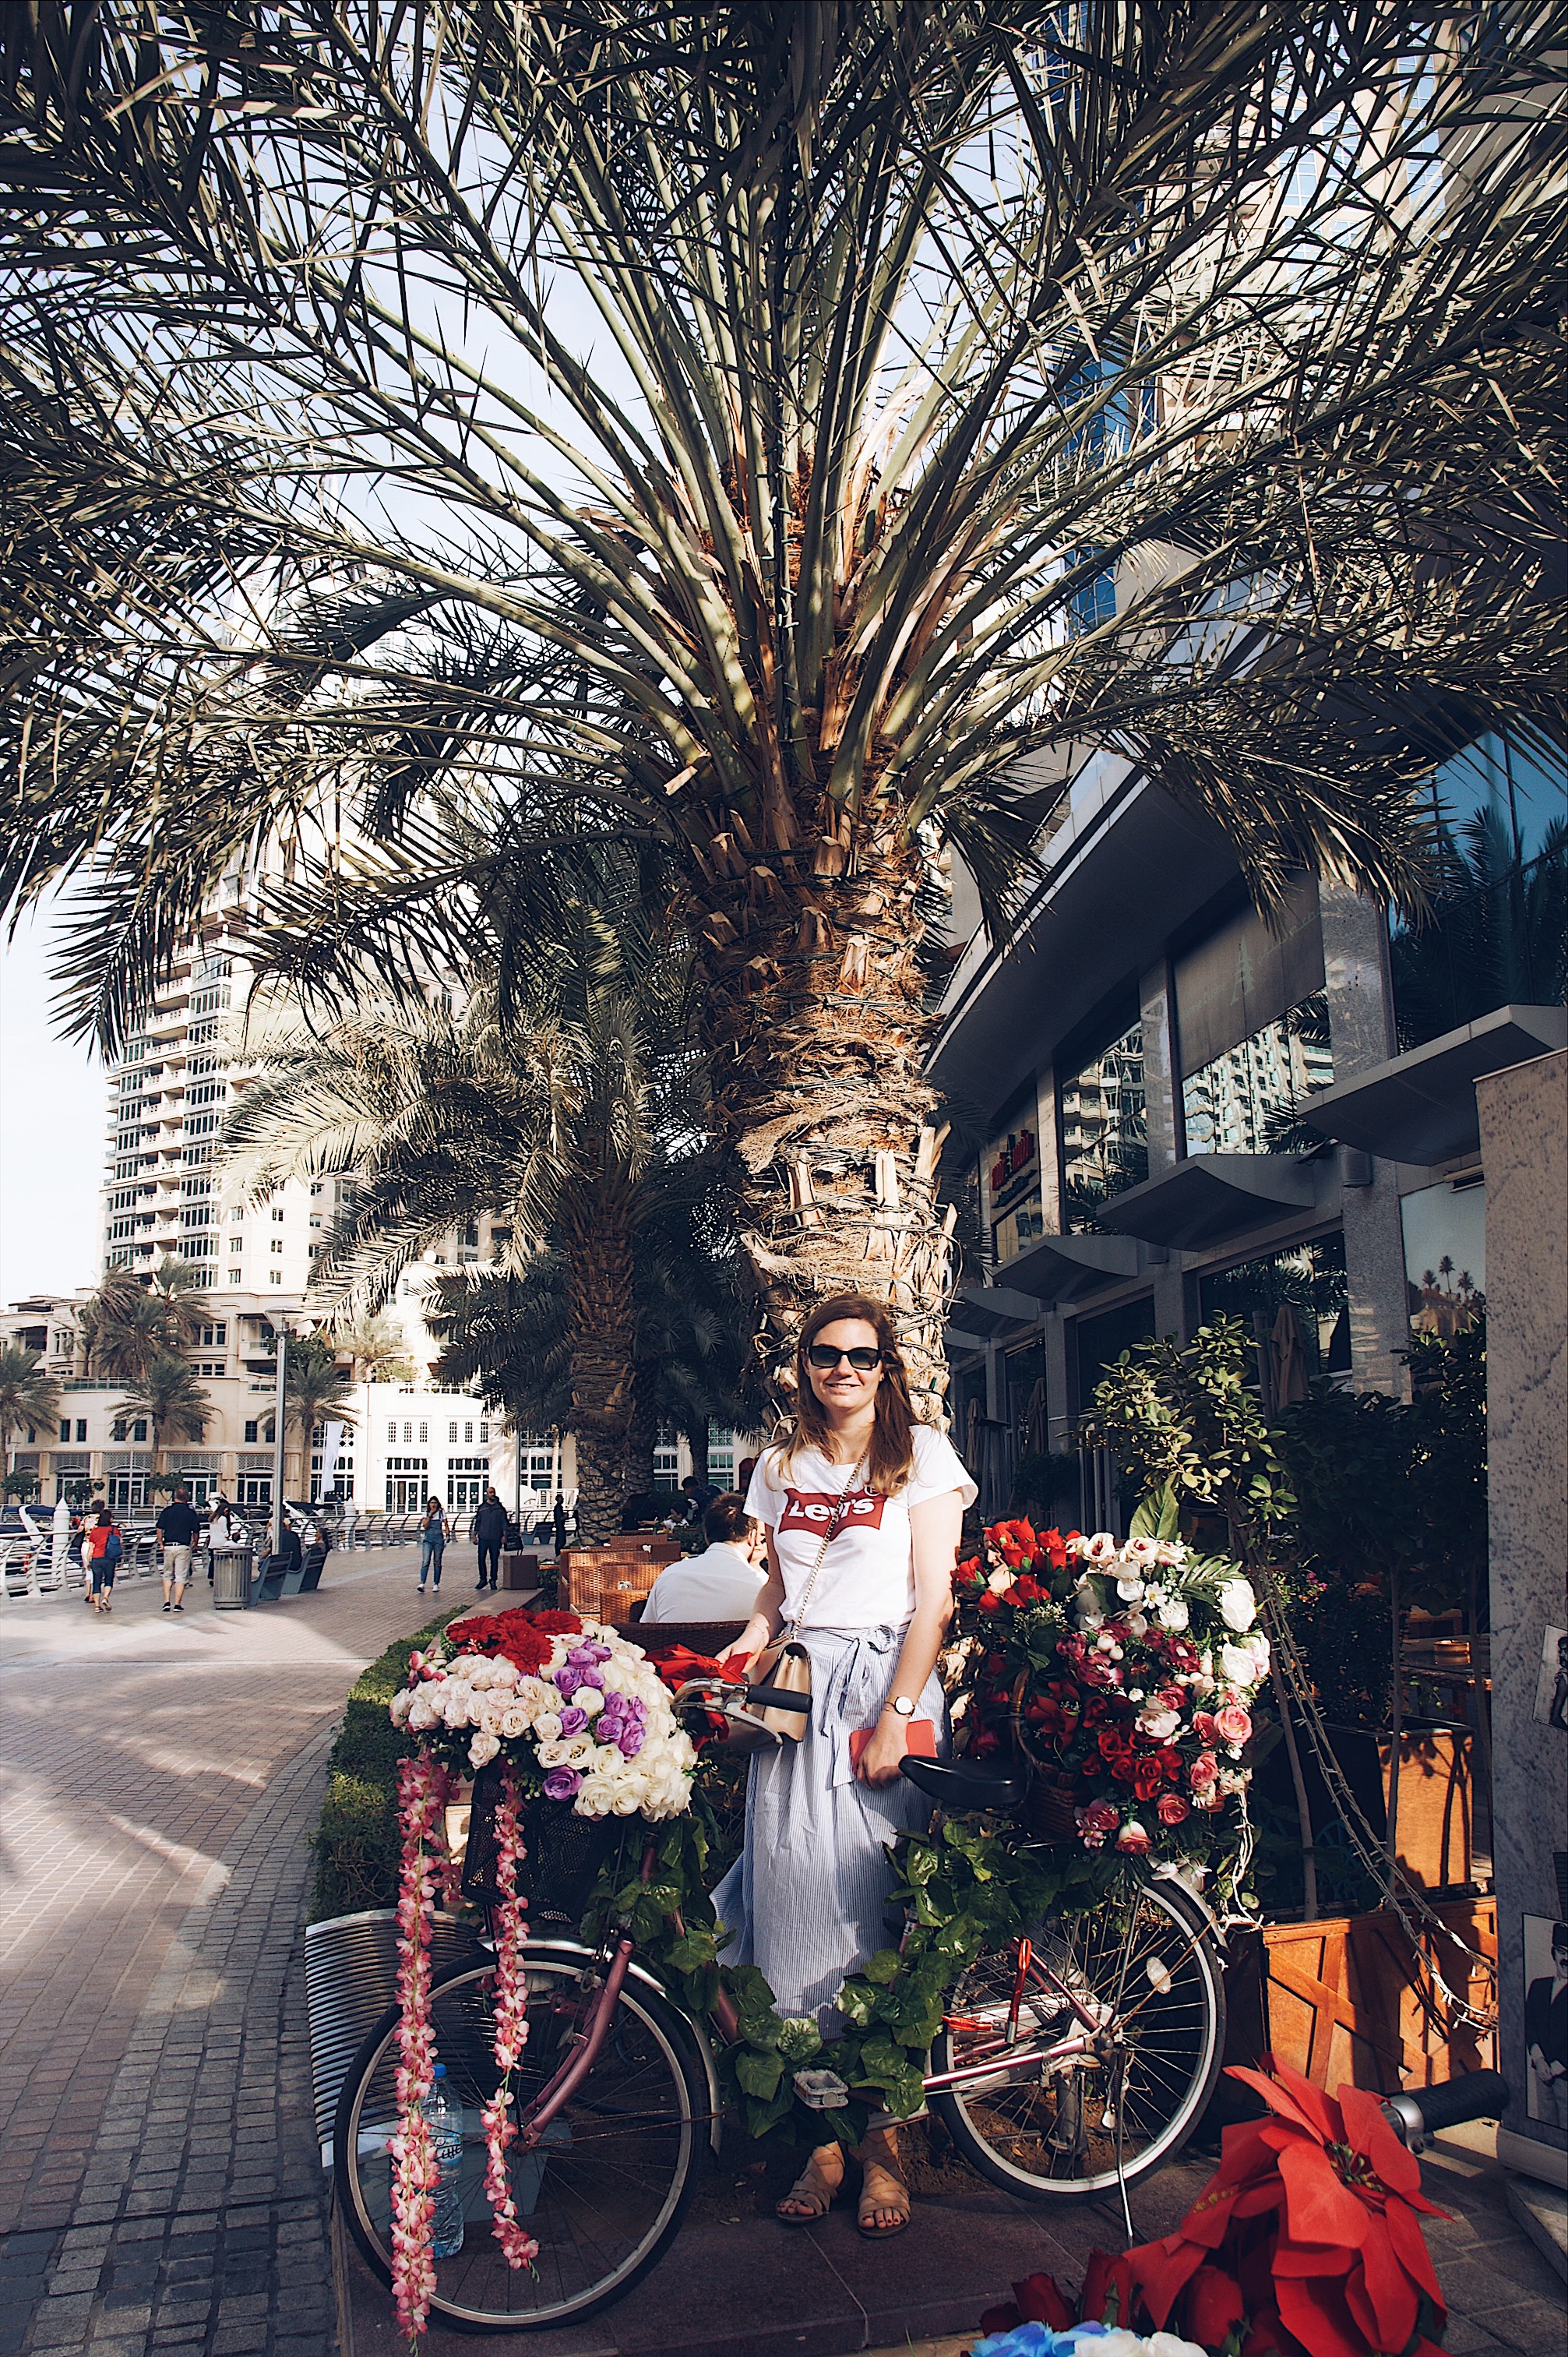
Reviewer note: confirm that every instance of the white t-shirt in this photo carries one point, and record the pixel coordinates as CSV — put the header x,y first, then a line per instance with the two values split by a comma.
x,y
867,1578
720,1584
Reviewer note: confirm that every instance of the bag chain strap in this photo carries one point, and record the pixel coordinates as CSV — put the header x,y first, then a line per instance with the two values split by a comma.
x,y
835,1521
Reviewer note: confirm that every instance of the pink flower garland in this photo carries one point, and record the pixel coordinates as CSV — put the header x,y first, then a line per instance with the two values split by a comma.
x,y
511,2023
422,1786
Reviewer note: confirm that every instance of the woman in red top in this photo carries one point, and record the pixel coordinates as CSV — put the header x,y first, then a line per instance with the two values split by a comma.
x,y
98,1561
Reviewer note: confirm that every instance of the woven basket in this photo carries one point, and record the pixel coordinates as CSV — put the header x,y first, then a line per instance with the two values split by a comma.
x,y
1053,1789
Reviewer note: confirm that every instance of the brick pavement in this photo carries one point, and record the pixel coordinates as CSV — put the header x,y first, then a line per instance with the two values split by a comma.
x,y
158,1777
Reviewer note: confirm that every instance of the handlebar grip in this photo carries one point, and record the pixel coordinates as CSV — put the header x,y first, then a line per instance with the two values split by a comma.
x,y
777,1698
1421,2112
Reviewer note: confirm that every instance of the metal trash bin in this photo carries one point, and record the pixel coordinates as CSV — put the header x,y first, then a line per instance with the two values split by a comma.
x,y
231,1578
519,1570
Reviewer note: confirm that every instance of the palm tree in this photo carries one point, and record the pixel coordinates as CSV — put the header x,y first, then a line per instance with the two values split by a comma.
x,y
1497,930
927,330
176,1406
128,1325
553,1117
317,1390
29,1395
368,1343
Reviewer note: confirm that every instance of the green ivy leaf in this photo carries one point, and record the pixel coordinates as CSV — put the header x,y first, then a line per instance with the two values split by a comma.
x,y
759,2074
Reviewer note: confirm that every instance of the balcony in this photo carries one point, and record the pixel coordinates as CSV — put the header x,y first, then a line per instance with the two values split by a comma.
x,y
1421,1107
1213,1198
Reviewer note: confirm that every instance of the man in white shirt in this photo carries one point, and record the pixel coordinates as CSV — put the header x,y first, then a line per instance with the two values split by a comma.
x,y
722,1582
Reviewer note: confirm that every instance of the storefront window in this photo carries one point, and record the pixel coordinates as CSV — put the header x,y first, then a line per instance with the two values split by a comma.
x,y
1104,1144
1249,1100
1497,932
1446,1256
1099,1342
1308,1279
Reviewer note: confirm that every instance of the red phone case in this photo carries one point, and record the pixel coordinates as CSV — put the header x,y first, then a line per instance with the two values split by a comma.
x,y
919,1740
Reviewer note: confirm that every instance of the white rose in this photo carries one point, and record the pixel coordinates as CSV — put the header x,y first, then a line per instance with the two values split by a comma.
x,y
1261,1655
507,1674
1174,1614
1238,1605
626,1802
1238,1665
1160,1723
400,1706
588,1699
514,1722
482,1749
479,1676
1170,1551
1130,1588
998,1581
455,1703
597,1797
552,1754
1100,1548
1142,1551
423,1714
578,1750
547,1727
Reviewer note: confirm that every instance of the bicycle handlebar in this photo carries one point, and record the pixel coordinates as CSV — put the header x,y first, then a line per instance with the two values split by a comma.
x,y
1421,2112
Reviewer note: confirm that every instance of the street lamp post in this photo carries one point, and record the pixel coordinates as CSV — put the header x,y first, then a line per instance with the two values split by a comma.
x,y
280,1435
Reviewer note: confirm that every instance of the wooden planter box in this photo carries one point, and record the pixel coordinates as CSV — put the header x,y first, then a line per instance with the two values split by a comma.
x,y
1337,1999
1437,1813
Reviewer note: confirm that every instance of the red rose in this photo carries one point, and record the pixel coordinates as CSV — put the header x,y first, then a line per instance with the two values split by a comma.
x,y
1206,1726
1103,2277
1097,1820
1172,1809
1174,1697
990,1603
1055,1547
1133,1841
1214,2306
1026,1590
1040,2300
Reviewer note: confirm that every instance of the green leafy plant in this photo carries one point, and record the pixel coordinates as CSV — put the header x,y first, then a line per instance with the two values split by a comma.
x,y
355,1839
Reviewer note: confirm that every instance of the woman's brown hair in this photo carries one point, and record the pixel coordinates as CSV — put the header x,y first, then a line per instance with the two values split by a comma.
x,y
892,1457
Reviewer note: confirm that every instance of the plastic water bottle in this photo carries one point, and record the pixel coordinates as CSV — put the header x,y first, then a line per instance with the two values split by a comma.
x,y
445,2117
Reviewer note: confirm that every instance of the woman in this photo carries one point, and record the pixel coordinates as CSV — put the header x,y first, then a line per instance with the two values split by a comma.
x,y
863,1509
433,1537
102,1548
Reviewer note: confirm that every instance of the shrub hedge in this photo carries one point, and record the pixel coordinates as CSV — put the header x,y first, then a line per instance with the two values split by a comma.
x,y
356,1843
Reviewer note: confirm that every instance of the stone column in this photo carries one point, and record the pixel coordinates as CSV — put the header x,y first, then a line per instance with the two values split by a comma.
x,y
1524,1150
1058,1404
1165,1132
1361,1029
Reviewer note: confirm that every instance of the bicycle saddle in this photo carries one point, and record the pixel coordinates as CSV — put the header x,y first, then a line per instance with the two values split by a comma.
x,y
964,1785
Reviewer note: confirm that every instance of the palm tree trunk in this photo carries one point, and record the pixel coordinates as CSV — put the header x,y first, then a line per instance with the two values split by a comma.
x,y
596,1227
641,1433
817,1029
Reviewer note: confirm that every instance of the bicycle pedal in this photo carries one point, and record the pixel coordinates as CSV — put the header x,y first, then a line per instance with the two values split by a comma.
x,y
821,2090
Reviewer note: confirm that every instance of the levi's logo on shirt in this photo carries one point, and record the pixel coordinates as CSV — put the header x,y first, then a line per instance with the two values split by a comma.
x,y
812,1510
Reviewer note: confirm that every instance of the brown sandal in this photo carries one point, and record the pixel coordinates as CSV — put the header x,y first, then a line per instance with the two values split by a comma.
x,y
895,2198
812,2186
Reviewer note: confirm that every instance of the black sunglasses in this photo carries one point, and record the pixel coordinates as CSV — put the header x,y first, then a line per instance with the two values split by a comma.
x,y
825,1360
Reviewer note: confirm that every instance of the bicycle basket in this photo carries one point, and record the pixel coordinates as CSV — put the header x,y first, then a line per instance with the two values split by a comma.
x,y
565,1853
1048,1811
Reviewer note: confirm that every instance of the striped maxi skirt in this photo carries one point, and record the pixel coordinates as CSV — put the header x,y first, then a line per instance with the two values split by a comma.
x,y
807,1901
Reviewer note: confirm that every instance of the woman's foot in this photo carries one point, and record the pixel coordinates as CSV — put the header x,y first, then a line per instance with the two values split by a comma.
x,y
882,2209
812,2195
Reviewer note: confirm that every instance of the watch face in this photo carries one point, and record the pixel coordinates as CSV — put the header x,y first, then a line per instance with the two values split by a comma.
x,y
904,1706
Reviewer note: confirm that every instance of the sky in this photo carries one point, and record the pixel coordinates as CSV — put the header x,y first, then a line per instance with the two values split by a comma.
x,y
51,1134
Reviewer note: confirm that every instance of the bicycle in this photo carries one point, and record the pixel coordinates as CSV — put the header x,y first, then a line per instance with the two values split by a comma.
x,y
1074,2058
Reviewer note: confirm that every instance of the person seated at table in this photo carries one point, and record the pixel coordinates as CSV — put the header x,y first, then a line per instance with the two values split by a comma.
x,y
723,1581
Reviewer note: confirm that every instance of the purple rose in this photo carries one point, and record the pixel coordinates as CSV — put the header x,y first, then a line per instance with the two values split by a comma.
x,y
630,1742
572,1720
567,1679
562,1784
590,1677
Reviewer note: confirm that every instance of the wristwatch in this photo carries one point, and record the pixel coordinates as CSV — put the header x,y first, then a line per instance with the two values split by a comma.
x,y
902,1706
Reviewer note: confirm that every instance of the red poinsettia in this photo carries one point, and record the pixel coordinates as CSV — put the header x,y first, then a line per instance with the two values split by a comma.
x,y
1313,2219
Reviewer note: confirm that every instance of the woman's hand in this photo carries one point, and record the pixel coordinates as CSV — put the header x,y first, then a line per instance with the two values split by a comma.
x,y
880,1759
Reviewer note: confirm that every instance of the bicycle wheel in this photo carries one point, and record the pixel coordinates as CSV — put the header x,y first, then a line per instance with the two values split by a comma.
x,y
1064,2131
604,2192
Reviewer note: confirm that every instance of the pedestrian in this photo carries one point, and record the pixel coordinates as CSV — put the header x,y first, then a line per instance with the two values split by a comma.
x,y
101,1548
226,1534
862,1508
177,1528
433,1537
722,1583
489,1532
558,1520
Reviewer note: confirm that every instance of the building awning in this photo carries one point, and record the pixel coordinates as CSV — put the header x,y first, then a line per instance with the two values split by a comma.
x,y
1421,1107
990,1313
1064,1268
1208,1199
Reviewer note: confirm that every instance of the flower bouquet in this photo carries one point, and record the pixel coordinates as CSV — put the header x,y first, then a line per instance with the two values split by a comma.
x,y
559,1711
1125,1672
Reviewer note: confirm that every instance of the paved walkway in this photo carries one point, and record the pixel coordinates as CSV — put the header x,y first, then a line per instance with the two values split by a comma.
x,y
159,1775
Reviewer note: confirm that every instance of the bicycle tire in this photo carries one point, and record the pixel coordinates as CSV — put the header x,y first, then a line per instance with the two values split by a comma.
x,y
1034,2132
648,2081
